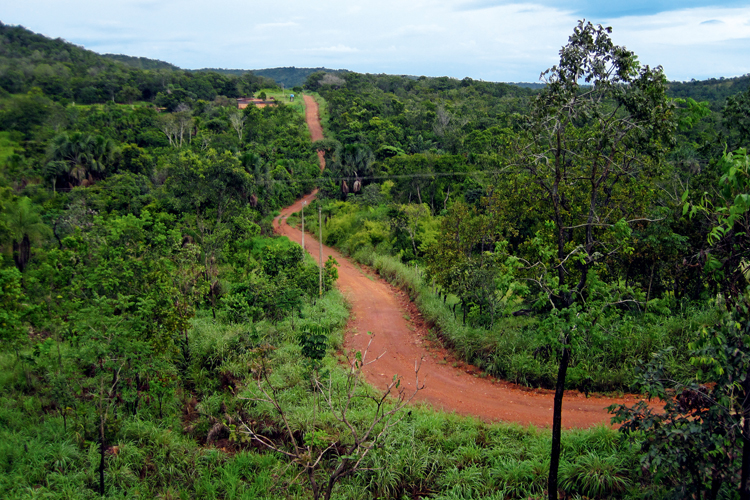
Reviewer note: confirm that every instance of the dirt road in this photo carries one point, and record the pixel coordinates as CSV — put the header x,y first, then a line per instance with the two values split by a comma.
x,y
312,117
400,334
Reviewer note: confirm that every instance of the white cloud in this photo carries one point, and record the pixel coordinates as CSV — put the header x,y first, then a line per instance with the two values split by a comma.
x,y
418,29
287,24
690,43
333,49
689,26
505,42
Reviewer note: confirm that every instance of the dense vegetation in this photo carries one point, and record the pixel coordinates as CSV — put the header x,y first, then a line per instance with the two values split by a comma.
x,y
552,232
159,341
66,73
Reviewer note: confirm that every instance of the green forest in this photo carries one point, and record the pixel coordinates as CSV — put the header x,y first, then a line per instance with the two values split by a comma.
x,y
159,340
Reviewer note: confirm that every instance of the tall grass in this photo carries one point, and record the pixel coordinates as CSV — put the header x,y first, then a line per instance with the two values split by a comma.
x,y
429,454
190,453
513,350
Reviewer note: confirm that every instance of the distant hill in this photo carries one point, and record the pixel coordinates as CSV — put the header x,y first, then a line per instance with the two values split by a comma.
x,y
70,73
528,85
288,77
67,71
223,71
291,76
59,68
141,62
714,90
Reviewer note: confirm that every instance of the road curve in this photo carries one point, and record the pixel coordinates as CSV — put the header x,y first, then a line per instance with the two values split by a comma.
x,y
400,336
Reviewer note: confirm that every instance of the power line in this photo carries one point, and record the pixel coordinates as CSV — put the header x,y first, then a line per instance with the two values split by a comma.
x,y
318,180
382,177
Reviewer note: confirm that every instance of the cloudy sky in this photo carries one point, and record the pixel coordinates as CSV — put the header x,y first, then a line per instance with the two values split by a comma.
x,y
496,40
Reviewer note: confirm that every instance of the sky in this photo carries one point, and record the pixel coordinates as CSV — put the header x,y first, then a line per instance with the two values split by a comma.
x,y
494,40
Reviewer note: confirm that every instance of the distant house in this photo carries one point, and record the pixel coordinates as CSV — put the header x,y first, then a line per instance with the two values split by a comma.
x,y
243,102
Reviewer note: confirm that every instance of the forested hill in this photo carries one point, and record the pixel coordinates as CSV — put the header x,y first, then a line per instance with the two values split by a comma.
x,y
714,90
69,73
141,62
288,76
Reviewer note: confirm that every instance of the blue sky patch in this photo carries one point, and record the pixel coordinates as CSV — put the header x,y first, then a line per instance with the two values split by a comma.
x,y
600,11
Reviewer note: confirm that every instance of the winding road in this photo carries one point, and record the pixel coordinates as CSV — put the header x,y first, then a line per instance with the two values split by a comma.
x,y
400,335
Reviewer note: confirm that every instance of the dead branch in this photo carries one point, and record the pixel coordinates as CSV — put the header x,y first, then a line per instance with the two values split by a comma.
x,y
388,405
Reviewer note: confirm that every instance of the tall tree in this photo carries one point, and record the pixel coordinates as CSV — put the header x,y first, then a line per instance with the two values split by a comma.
x,y
24,224
596,135
702,433
237,120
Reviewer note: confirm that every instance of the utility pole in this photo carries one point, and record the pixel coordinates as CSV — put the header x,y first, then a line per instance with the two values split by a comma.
x,y
303,227
320,241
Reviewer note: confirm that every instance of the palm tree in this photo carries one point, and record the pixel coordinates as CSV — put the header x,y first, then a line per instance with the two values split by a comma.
x,y
352,162
24,224
104,152
262,178
356,160
80,156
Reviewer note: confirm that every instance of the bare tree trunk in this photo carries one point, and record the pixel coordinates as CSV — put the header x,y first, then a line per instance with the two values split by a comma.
x,y
745,476
554,462
650,282
413,242
102,445
101,459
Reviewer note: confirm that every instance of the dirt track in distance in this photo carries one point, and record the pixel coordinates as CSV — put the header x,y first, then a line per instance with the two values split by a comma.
x,y
401,338
312,117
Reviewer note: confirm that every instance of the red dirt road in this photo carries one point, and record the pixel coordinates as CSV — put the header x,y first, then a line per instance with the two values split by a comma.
x,y
312,117
400,335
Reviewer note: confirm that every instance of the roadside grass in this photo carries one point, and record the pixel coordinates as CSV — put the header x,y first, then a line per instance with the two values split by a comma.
x,y
513,349
295,219
442,455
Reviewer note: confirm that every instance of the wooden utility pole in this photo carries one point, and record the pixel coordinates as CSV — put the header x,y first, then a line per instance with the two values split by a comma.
x,y
320,241
303,227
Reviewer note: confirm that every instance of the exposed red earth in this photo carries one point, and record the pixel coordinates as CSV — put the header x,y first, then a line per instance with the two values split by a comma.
x,y
401,336
312,117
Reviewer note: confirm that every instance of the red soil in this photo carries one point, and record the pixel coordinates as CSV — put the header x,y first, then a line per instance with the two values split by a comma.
x,y
401,336
312,116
